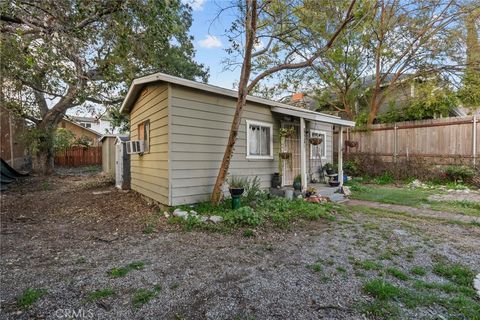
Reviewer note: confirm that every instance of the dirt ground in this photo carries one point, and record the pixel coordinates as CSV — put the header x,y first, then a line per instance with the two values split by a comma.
x,y
64,233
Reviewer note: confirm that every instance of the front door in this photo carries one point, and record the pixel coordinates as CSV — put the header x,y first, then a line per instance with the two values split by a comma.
x,y
290,145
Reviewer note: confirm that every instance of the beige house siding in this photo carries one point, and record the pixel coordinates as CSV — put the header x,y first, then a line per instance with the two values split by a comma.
x,y
149,172
200,125
108,155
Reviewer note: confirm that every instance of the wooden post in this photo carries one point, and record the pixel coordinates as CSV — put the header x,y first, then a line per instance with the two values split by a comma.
x,y
303,155
474,140
340,156
395,142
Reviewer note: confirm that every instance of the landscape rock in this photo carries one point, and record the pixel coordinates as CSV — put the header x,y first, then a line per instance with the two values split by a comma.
x,y
166,214
476,284
346,191
180,213
216,219
101,192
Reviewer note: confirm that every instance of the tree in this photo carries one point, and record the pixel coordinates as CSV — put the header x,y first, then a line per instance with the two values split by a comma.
x,y
469,93
409,37
59,54
281,28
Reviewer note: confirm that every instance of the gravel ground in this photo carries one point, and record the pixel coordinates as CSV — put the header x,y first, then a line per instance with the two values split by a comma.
x,y
58,235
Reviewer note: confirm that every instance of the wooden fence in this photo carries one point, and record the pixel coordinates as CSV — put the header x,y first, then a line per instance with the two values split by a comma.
x,y
438,141
79,156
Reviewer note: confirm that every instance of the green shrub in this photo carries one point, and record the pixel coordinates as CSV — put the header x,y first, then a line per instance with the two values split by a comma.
x,y
351,168
244,216
459,173
29,297
385,178
381,289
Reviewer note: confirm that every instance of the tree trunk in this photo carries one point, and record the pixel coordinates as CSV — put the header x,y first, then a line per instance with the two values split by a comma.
x,y
250,31
42,161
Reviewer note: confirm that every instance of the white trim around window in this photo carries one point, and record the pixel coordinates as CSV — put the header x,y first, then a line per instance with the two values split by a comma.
x,y
324,144
268,125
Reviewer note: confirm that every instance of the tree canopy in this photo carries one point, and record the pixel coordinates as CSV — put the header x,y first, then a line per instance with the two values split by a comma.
x,y
59,54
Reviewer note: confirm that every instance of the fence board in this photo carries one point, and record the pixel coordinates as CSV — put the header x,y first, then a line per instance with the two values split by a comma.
x,y
442,141
79,156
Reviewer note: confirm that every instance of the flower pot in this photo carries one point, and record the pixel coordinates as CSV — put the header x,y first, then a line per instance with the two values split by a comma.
x,y
285,155
351,143
334,183
236,192
315,141
276,180
297,185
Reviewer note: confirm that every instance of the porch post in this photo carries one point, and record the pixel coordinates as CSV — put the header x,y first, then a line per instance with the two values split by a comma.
x,y
340,156
303,156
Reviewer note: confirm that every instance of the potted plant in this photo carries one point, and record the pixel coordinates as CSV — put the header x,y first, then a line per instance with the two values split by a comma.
x,y
297,183
351,143
285,155
329,168
236,188
310,191
276,180
315,141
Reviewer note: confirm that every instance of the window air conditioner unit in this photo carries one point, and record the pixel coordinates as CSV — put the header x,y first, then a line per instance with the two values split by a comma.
x,y
135,146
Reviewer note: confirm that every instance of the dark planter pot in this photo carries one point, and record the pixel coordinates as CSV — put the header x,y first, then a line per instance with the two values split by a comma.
x,y
351,143
308,194
276,180
330,171
285,155
297,185
315,141
334,183
235,192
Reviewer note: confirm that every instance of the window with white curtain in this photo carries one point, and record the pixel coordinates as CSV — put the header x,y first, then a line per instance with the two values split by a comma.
x,y
259,140
320,150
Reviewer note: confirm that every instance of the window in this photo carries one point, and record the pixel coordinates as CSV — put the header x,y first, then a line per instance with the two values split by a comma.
x,y
144,135
86,125
320,150
259,140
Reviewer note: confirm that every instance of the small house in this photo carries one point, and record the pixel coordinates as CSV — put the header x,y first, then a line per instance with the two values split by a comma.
x,y
184,127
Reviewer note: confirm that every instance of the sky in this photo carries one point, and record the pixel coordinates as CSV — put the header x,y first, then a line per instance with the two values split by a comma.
x,y
209,40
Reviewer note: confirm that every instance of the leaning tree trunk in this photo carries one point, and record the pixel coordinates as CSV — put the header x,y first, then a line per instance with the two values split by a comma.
x,y
251,26
42,161
44,155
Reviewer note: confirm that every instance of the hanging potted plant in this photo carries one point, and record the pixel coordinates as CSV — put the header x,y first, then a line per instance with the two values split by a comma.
x,y
315,141
285,155
351,143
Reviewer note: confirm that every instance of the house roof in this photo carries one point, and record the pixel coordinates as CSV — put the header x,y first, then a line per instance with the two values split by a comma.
x,y
82,127
275,106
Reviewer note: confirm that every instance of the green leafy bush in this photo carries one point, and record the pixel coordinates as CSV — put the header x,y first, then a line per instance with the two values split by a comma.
x,y
459,173
244,216
385,178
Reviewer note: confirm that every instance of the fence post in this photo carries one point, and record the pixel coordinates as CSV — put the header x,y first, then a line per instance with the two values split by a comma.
x,y
474,140
395,142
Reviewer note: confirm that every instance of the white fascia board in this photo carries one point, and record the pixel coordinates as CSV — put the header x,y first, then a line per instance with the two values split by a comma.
x,y
315,116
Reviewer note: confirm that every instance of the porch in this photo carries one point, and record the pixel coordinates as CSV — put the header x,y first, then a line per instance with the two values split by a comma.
x,y
306,145
324,190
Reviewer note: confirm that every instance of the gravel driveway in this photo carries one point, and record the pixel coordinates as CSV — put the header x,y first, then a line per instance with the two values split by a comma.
x,y
64,239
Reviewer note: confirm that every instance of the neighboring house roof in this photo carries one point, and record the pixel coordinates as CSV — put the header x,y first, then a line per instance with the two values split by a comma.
x,y
82,127
275,106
